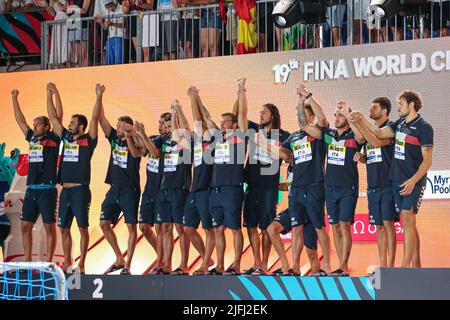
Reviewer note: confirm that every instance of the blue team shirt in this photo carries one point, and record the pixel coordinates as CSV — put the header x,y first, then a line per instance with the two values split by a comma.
x,y
378,163
409,140
309,158
342,170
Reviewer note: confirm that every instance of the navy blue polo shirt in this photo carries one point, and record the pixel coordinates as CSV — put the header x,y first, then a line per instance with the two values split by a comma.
x,y
76,158
154,168
257,170
341,170
42,158
309,158
176,166
123,168
253,126
229,158
409,140
202,168
378,163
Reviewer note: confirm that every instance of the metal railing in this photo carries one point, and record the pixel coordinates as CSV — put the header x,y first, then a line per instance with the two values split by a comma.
x,y
198,31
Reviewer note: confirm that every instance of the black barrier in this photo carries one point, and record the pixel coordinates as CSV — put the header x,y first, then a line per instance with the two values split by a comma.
x,y
414,284
101,287
385,284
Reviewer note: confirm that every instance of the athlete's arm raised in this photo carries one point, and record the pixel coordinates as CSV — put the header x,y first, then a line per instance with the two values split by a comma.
x,y
104,123
149,145
199,123
18,115
309,128
52,114
343,105
315,106
243,106
93,127
180,126
210,124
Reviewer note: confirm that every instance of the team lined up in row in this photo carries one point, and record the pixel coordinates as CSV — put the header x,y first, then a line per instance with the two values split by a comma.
x,y
323,169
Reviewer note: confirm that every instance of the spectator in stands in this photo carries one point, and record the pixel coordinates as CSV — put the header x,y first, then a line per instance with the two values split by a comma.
x,y
396,27
210,28
58,47
437,18
190,30
115,26
138,6
379,31
400,25
15,5
232,27
101,12
150,30
78,32
360,14
168,43
335,20
267,29
360,8
379,35
47,6
145,6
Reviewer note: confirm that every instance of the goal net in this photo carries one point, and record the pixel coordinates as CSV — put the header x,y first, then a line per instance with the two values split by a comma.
x,y
32,281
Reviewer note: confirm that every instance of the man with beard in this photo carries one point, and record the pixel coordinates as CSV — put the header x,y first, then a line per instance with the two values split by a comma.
x,y
307,195
174,150
412,159
197,202
341,177
75,172
175,186
378,158
125,191
40,197
148,202
262,175
226,195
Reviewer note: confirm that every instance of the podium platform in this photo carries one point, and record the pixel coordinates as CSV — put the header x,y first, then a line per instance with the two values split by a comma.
x,y
386,284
